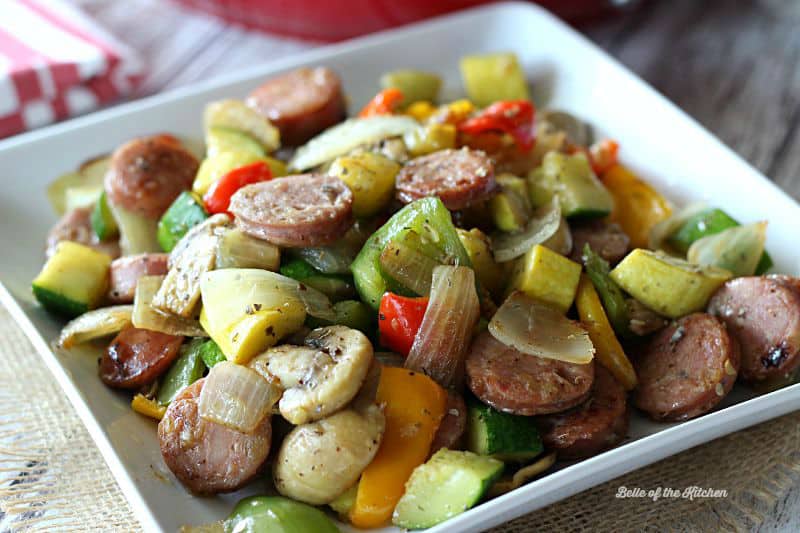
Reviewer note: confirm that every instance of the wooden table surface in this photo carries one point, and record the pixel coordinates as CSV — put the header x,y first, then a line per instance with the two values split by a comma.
x,y
734,65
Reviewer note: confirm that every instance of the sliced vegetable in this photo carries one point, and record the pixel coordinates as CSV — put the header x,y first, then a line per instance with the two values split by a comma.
x,y
414,407
95,324
185,212
414,85
370,176
210,353
537,329
399,319
237,397
147,407
513,117
491,77
560,241
570,178
235,115
236,249
89,178
385,102
508,211
522,476
350,313
608,350
409,266
603,155
430,219
547,276
220,140
667,285
447,485
73,281
213,168
186,369
344,502
263,514
429,138
146,316
351,133
661,234
504,436
137,234
479,248
637,206
542,225
218,197
440,346
613,300
334,286
337,257
577,131
103,223
738,249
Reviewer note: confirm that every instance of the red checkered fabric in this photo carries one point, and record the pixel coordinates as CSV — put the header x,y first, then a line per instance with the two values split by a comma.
x,y
56,63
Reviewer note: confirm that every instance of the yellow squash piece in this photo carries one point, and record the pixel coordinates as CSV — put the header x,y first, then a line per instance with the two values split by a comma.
x,y
547,276
147,407
430,138
414,407
607,347
478,247
667,285
637,206
491,77
370,176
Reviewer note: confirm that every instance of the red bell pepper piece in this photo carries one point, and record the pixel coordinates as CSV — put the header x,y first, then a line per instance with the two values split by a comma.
x,y
218,197
603,155
384,103
399,318
514,117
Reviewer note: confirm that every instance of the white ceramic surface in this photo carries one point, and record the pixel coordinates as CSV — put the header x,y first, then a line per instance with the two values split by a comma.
x,y
661,142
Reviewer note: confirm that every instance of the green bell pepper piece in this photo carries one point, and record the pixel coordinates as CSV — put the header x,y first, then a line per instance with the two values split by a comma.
x,y
103,223
185,212
259,514
350,313
186,369
211,354
610,294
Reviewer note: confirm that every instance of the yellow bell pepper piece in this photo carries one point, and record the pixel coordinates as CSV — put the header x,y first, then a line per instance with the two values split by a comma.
x,y
420,110
637,206
147,407
608,350
414,407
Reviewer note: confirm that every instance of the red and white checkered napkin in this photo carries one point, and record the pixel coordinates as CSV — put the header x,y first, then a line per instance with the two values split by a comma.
x,y
56,63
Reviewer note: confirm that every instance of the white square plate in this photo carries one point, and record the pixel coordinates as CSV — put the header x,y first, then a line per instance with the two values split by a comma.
x,y
666,146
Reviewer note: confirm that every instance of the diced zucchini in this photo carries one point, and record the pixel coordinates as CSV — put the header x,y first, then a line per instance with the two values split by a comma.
x,y
705,223
478,246
74,279
491,77
214,167
82,196
137,234
103,223
220,140
571,178
344,502
371,178
414,84
210,353
86,184
447,485
430,138
335,286
186,369
185,212
508,211
350,313
504,436
547,276
235,115
57,190
239,250
667,285
275,514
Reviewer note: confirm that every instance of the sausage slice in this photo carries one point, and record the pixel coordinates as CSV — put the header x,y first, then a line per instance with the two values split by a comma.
x,y
137,357
126,271
76,226
763,313
596,425
295,211
458,177
523,384
686,369
452,427
606,239
147,174
205,456
301,103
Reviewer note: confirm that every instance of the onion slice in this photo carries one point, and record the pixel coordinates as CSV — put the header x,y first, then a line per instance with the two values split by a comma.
x,y
541,226
409,266
146,316
237,397
738,249
537,329
441,343
95,324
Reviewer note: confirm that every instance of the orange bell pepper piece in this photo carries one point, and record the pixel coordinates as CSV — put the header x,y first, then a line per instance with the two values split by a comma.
x,y
414,407
637,206
608,350
383,103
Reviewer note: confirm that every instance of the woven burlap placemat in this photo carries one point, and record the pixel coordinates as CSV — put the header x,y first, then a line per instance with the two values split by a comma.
x,y
52,476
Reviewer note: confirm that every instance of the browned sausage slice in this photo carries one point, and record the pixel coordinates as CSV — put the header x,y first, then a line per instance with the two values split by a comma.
x,y
137,357
295,211
596,425
606,239
147,174
763,314
301,103
452,427
789,281
522,384
126,271
205,456
686,369
458,177
76,226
